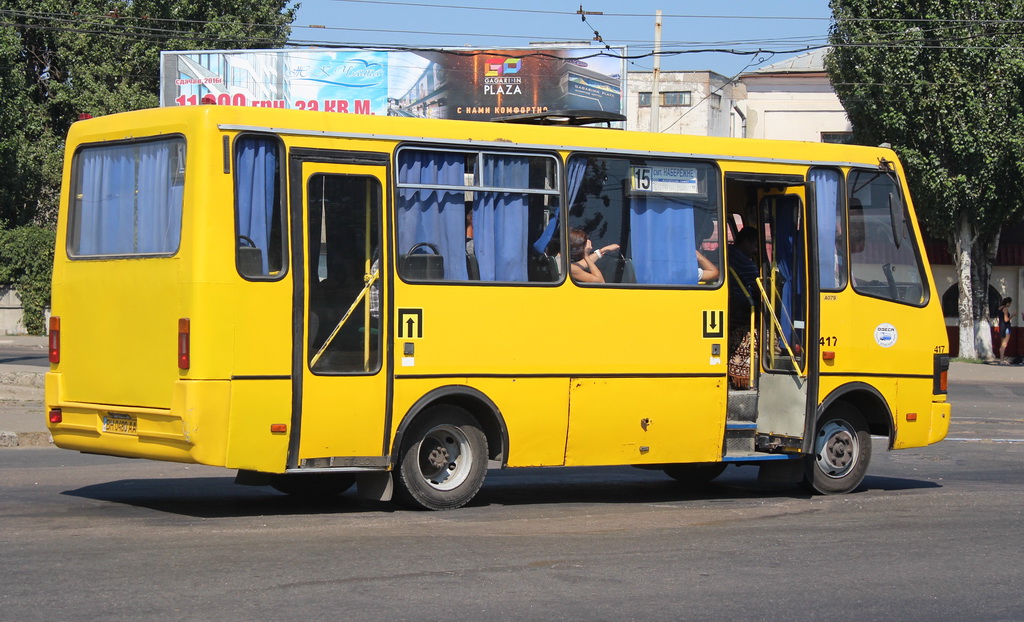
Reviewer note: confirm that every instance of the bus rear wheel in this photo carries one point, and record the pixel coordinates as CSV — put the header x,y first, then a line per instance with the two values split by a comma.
x,y
842,451
443,460
312,486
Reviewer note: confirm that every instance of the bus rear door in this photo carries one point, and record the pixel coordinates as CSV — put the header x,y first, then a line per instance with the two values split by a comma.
x,y
339,364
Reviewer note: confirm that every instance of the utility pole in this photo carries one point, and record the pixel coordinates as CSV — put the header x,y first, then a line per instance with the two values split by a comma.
x,y
655,94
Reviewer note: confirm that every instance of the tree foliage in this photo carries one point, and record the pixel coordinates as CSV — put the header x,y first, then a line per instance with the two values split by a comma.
x,y
942,81
26,257
63,58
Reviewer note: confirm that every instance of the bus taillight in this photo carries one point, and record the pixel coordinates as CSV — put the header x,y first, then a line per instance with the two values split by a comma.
x,y
54,339
941,374
184,353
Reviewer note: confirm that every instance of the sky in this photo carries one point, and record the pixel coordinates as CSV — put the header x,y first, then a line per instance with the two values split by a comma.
x,y
765,32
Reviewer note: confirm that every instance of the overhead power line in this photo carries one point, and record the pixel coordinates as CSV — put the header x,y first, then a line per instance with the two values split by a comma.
x,y
150,28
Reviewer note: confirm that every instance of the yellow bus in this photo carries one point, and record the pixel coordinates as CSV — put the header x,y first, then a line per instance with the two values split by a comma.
x,y
320,300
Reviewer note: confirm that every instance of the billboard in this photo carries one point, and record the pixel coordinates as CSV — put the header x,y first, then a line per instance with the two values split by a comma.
x,y
445,84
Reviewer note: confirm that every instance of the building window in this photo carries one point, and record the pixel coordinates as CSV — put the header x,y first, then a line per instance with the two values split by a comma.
x,y
675,98
667,98
840,138
715,100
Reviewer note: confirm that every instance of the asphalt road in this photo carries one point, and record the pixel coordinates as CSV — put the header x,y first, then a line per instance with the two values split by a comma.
x,y
25,352
933,534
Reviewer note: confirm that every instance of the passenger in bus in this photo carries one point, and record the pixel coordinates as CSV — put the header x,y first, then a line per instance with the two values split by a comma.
x,y
743,273
743,296
706,271
583,267
472,264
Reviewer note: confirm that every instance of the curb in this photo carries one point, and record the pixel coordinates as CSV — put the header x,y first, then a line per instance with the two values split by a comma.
x,y
23,378
25,439
23,386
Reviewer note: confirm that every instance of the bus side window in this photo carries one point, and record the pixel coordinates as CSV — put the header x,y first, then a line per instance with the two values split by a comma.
x,y
884,260
831,233
662,214
475,216
259,235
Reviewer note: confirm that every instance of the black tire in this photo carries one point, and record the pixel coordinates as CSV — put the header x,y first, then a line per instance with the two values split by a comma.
x,y
443,460
312,486
841,453
696,473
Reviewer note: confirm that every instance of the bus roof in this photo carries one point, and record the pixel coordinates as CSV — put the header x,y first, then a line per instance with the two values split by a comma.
x,y
476,134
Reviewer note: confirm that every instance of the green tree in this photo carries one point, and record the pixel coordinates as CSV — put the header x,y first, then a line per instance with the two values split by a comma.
x,y
63,58
942,81
26,259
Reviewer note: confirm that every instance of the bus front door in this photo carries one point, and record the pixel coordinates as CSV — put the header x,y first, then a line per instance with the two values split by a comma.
x,y
339,365
783,287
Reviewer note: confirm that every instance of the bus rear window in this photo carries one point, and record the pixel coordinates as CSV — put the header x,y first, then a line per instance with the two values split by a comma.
x,y
127,199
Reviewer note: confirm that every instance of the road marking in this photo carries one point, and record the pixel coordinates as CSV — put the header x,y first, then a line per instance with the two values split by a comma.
x,y
987,440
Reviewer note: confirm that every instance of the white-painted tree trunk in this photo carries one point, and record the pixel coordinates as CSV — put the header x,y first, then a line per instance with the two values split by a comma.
x,y
965,303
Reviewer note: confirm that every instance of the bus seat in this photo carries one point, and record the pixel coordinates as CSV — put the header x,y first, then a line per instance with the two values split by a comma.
x,y
628,271
617,269
421,266
250,260
472,267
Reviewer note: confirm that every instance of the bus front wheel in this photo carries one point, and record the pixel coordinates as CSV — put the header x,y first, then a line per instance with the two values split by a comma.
x,y
842,451
443,460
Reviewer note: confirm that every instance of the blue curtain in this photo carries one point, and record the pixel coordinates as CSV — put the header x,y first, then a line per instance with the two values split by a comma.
x,y
661,240
256,179
432,215
826,196
500,220
574,178
161,191
131,199
787,249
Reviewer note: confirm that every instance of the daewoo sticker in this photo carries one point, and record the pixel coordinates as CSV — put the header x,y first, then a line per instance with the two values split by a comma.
x,y
885,335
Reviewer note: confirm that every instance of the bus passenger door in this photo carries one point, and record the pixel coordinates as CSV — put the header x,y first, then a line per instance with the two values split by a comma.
x,y
339,363
783,287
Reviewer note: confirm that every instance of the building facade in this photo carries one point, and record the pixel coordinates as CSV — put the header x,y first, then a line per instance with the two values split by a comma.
x,y
793,100
689,102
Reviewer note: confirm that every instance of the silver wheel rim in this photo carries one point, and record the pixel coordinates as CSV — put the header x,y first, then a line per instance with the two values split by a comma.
x,y
445,457
836,449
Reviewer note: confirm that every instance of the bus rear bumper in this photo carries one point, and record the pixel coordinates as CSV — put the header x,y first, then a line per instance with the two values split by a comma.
x,y
192,430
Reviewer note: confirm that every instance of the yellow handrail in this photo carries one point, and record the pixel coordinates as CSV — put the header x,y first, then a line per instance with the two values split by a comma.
x,y
370,280
778,327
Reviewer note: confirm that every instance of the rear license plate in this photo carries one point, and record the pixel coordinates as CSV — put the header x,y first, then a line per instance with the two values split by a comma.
x,y
120,424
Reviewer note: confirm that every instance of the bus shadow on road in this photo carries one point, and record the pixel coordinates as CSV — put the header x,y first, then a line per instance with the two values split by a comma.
x,y
220,497
626,485
217,497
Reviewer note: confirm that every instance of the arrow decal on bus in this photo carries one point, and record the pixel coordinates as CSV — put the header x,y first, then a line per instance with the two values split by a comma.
x,y
714,324
410,324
